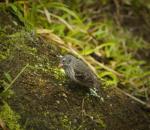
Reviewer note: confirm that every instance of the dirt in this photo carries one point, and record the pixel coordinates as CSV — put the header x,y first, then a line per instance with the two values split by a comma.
x,y
45,100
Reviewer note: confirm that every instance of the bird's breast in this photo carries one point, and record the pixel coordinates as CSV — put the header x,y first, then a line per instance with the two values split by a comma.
x,y
70,73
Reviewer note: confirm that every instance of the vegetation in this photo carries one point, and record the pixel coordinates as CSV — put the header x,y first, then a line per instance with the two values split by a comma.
x,y
95,31
116,47
11,118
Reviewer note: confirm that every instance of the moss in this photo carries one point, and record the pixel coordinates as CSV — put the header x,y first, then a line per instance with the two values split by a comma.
x,y
10,117
65,122
59,74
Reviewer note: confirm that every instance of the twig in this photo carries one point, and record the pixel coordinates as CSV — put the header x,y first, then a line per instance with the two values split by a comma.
x,y
107,68
82,109
134,98
83,112
118,18
13,81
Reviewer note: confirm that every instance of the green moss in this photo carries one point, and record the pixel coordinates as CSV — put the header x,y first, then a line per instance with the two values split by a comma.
x,y
10,117
59,73
66,123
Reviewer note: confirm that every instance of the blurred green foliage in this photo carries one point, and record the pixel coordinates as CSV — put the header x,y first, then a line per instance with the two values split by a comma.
x,y
71,21
11,119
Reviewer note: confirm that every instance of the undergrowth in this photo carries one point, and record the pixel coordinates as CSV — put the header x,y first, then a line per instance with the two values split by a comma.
x,y
115,47
109,49
12,118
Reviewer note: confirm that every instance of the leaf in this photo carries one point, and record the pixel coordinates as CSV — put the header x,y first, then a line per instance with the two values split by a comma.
x,y
64,8
89,50
75,41
5,84
110,78
62,20
17,12
8,77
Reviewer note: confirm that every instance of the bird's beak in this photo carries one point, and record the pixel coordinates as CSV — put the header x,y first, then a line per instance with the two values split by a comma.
x,y
60,65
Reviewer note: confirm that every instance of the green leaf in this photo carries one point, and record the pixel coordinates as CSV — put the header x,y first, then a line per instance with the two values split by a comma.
x,y
64,8
8,77
109,77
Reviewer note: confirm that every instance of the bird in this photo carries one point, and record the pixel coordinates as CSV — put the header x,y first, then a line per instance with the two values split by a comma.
x,y
80,73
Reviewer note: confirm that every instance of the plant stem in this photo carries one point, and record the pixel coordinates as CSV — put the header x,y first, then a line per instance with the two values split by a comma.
x,y
18,75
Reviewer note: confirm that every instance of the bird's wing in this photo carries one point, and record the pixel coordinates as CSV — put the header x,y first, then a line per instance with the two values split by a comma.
x,y
83,74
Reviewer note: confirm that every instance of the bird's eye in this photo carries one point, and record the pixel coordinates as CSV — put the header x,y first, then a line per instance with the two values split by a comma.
x,y
63,60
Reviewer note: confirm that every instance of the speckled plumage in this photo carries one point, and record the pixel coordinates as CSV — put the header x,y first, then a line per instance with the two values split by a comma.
x,y
79,72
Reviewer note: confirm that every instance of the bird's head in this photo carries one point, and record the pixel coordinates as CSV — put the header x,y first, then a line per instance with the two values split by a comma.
x,y
67,61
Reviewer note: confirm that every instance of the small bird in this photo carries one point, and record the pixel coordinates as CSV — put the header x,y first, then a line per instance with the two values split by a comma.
x,y
80,73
